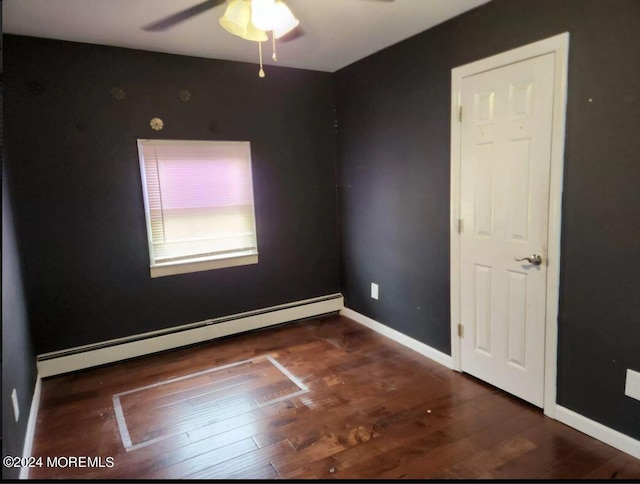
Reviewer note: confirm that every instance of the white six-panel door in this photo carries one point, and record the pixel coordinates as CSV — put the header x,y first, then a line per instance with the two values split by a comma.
x,y
505,153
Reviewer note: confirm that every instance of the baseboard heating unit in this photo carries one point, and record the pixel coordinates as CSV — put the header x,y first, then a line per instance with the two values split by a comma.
x,y
87,356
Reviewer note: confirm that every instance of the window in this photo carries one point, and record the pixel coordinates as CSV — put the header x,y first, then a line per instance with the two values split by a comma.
x,y
198,198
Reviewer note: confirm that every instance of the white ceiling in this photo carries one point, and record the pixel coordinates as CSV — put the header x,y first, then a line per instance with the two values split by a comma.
x,y
336,32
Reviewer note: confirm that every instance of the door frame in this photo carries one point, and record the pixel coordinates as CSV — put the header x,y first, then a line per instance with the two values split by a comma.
x,y
558,45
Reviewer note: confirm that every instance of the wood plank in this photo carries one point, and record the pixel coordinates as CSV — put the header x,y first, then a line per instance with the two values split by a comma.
x,y
374,410
203,461
250,465
619,467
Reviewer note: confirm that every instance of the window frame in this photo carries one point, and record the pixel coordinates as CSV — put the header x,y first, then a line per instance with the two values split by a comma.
x,y
197,263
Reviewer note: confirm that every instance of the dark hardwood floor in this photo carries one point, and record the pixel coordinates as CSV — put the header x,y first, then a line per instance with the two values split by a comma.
x,y
320,399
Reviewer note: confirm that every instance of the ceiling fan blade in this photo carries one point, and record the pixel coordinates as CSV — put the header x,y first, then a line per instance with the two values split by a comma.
x,y
296,33
176,18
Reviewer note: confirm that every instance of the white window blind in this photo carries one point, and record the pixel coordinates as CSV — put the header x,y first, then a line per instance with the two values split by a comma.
x,y
199,204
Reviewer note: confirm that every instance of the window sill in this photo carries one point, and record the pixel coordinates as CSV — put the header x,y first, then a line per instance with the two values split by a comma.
x,y
185,267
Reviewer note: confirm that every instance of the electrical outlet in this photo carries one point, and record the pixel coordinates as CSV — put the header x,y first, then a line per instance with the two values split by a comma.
x,y
16,407
632,387
374,290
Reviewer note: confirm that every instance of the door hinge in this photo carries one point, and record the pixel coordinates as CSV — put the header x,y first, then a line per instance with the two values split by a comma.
x,y
460,331
460,225
460,113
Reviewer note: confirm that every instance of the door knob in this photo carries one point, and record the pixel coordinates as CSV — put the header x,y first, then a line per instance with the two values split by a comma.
x,y
535,259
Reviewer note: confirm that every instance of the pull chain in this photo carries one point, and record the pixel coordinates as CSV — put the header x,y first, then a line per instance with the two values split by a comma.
x,y
261,72
273,45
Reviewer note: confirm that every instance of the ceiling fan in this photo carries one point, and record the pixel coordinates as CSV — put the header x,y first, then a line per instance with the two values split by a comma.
x,y
179,17
249,19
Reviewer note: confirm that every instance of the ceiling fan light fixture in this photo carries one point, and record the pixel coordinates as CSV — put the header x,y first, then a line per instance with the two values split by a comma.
x,y
284,20
237,21
254,34
237,17
263,14
252,19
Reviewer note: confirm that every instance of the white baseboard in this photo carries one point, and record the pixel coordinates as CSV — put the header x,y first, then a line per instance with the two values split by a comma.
x,y
31,427
598,431
403,339
81,357
153,342
585,425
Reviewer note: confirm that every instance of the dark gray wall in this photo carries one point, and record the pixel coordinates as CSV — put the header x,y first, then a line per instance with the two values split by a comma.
x,y
75,176
18,362
74,171
393,151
